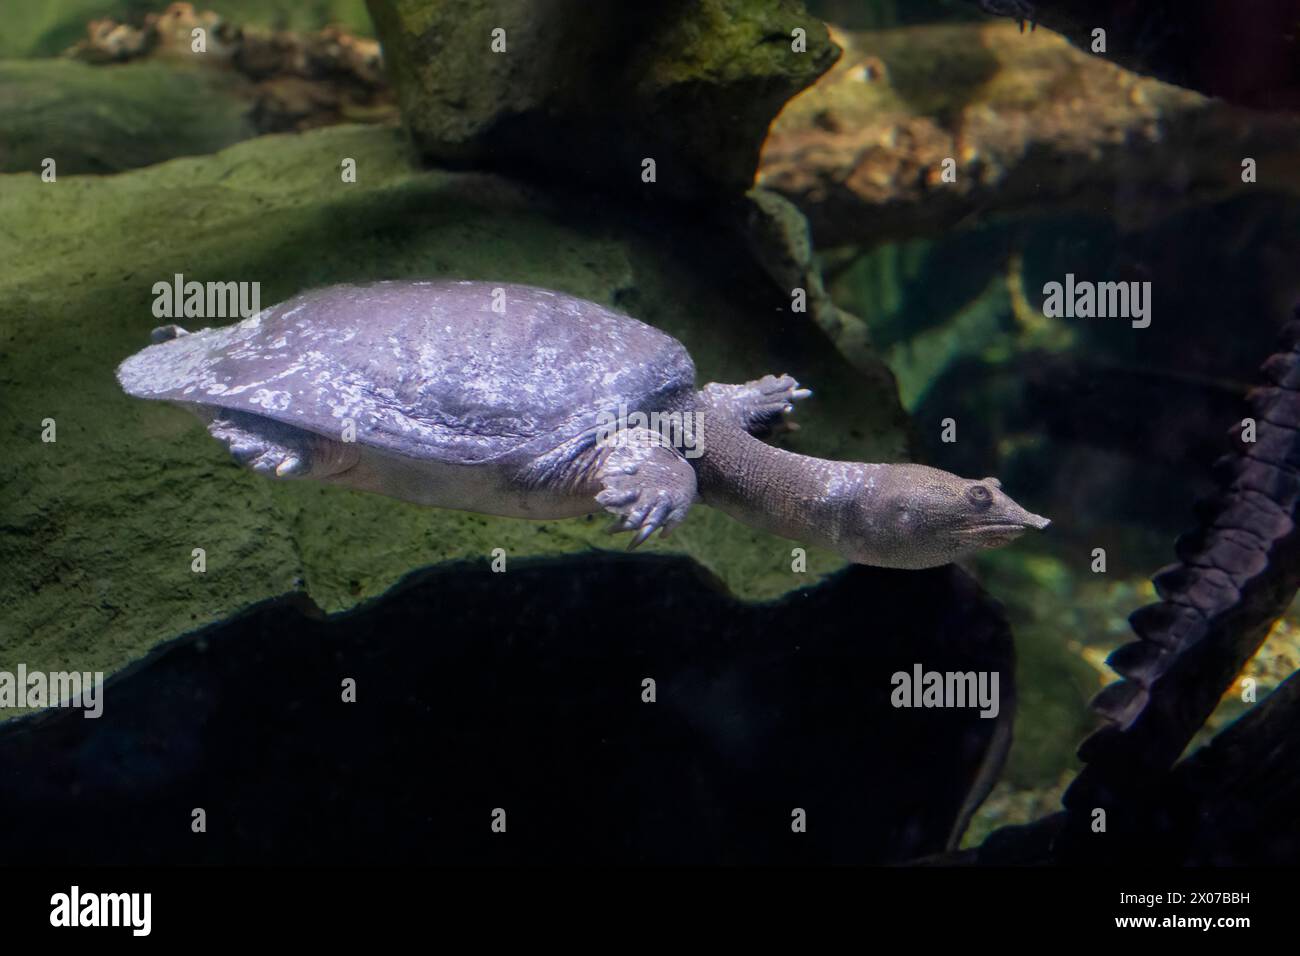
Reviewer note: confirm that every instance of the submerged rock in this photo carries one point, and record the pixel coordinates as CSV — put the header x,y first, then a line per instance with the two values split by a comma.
x,y
777,233
149,98
919,130
587,92
618,709
49,27
1242,52
98,529
290,81
91,120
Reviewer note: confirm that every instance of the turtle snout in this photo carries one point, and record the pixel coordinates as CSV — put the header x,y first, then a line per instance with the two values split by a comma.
x,y
1013,514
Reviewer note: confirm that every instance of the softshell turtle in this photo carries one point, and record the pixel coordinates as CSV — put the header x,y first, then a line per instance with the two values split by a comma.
x,y
519,401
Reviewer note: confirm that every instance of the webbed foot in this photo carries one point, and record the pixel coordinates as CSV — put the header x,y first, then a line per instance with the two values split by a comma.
x,y
647,485
268,448
761,406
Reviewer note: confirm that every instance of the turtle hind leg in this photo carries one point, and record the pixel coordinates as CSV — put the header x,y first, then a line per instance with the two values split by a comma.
x,y
645,484
279,451
759,406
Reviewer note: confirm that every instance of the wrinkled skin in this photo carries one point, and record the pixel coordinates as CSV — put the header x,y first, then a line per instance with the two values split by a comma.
x,y
886,515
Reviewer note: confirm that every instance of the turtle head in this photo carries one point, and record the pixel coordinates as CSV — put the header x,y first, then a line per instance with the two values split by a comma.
x,y
913,516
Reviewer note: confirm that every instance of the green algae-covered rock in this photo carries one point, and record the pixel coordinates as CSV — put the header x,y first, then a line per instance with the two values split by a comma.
x,y
592,90
99,528
106,119
34,28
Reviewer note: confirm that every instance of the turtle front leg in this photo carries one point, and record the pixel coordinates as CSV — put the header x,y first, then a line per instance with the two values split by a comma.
x,y
646,484
759,406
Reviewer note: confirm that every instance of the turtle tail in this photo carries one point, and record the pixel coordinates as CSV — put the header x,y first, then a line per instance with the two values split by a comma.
x,y
165,333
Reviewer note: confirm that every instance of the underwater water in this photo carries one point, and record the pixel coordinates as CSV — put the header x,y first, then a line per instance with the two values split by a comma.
x,y
325,577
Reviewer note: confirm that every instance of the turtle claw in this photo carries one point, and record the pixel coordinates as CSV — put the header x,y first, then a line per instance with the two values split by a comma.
x,y
655,520
659,516
660,510
283,455
244,453
265,464
289,468
760,405
773,393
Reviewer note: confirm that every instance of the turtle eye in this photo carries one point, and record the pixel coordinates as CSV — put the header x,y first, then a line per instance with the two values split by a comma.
x,y
979,496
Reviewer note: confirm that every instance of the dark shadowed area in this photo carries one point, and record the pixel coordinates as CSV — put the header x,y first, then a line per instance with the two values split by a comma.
x,y
759,710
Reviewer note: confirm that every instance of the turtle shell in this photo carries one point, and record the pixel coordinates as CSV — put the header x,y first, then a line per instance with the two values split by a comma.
x,y
428,370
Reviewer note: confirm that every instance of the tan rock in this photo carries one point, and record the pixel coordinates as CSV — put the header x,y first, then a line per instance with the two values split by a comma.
x,y
1029,122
